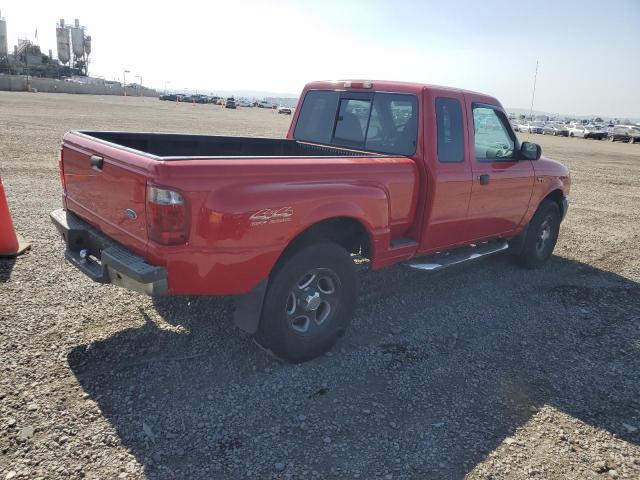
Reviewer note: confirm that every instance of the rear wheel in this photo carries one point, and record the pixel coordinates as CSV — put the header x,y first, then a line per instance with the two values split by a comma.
x,y
541,236
309,302
632,139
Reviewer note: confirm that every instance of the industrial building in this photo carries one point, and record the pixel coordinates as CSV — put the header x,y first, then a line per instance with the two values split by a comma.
x,y
73,50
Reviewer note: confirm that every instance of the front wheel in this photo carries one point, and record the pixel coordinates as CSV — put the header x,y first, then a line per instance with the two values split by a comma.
x,y
309,302
542,235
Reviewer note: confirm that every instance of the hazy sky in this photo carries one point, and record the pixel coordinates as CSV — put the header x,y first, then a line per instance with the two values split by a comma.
x,y
589,50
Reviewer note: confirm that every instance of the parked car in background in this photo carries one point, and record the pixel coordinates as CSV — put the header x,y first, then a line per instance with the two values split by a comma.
x,y
585,131
515,126
284,110
265,104
531,127
244,103
231,103
555,129
625,133
199,98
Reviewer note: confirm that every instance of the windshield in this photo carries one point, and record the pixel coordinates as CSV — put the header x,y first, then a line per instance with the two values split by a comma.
x,y
379,122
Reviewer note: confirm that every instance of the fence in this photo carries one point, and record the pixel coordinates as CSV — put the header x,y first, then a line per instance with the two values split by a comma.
x,y
18,83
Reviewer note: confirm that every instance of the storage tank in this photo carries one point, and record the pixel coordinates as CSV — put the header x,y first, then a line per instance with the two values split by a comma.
x,y
3,38
77,40
62,38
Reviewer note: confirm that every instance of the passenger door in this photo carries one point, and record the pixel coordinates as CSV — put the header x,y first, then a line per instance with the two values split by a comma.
x,y
449,189
502,183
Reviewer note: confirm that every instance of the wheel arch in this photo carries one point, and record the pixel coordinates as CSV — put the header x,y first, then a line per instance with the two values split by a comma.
x,y
558,197
348,232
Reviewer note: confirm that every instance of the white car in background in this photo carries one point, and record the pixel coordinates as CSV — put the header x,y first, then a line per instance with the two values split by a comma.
x,y
265,104
284,110
531,127
244,103
587,131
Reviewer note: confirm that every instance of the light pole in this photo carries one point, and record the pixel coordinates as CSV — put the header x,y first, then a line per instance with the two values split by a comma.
x,y
165,86
139,85
124,81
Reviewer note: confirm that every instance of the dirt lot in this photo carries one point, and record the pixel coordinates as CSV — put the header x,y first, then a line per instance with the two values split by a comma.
x,y
484,371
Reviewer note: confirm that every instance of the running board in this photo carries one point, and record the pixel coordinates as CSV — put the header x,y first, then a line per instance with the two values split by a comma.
x,y
439,261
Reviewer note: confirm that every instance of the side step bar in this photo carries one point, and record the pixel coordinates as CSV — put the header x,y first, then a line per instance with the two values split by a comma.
x,y
439,261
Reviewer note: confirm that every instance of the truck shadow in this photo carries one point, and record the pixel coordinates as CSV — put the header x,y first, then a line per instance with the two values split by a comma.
x,y
6,266
427,382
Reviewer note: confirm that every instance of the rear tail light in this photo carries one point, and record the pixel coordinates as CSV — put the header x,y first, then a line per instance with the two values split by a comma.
x,y
61,170
167,216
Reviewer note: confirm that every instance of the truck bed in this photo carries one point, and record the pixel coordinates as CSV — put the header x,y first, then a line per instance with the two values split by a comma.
x,y
175,146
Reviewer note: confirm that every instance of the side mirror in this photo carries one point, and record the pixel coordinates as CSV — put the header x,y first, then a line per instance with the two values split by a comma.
x,y
530,151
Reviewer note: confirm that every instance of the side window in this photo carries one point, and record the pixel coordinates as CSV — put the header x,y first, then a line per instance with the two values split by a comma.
x,y
493,141
353,117
450,130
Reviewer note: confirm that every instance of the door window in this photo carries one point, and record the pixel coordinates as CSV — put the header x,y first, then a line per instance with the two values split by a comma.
x,y
449,125
493,140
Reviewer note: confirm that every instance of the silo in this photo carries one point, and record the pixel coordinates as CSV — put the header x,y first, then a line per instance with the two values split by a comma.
x,y
62,37
3,38
87,44
77,41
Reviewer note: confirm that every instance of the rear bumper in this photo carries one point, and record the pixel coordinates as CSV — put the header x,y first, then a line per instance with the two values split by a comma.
x,y
105,261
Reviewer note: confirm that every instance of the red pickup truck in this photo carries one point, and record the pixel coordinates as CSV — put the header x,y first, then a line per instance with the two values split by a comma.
x,y
382,172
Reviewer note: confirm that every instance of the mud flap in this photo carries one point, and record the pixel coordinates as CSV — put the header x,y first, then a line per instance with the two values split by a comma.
x,y
516,244
249,308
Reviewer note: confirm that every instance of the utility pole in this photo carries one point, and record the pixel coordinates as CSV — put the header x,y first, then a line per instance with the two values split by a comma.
x,y
140,85
533,94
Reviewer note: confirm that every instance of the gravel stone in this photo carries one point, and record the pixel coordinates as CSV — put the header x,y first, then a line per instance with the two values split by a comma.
x,y
483,352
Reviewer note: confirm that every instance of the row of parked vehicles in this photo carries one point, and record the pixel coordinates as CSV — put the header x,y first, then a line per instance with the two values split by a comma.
x,y
622,133
226,102
229,102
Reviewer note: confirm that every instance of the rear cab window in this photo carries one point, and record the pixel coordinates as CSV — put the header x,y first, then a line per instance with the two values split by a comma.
x,y
378,122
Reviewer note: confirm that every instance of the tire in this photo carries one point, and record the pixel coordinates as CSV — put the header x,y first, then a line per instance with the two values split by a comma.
x,y
632,140
541,236
309,302
612,138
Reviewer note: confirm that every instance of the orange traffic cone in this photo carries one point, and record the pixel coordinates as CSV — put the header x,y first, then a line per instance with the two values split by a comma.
x,y
11,244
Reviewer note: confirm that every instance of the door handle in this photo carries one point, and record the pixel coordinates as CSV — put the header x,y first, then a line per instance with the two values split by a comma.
x,y
96,162
484,179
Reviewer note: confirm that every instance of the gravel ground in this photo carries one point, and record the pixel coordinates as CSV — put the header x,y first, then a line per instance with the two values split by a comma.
x,y
480,371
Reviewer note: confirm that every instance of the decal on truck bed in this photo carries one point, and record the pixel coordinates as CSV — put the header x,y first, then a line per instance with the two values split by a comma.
x,y
268,216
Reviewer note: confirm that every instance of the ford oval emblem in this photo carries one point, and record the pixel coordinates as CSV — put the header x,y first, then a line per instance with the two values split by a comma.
x,y
131,214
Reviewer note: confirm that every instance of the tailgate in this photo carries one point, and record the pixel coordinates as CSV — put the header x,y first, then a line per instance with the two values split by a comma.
x,y
106,186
